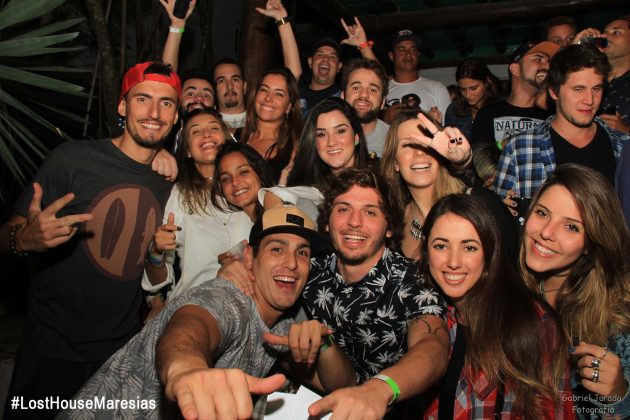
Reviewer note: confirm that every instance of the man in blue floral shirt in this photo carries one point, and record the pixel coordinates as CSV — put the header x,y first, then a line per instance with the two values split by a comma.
x,y
387,321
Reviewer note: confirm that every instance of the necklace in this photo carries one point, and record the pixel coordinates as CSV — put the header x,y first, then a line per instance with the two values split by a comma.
x,y
543,291
416,229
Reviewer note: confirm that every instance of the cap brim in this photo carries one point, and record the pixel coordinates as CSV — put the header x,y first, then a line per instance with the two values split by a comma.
x,y
317,242
546,47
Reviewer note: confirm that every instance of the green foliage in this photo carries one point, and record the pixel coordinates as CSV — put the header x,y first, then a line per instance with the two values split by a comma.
x,y
23,67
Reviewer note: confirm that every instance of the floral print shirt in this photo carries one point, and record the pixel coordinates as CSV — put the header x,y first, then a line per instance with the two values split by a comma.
x,y
370,317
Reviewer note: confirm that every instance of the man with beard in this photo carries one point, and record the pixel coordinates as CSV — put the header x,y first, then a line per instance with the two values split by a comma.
x,y
574,134
230,86
364,83
227,77
88,219
500,120
385,318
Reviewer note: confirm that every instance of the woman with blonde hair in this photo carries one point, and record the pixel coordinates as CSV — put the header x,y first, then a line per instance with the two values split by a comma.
x,y
575,255
423,174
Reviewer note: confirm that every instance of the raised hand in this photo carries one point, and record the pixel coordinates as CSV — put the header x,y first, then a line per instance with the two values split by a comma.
x,y
304,340
169,5
448,142
165,238
273,9
356,33
43,229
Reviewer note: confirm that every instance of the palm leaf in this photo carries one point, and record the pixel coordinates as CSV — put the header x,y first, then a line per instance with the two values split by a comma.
x,y
30,46
50,29
56,69
18,11
33,79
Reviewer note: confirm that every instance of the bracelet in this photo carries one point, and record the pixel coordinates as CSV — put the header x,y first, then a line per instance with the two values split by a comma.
x,y
156,260
175,30
366,44
328,343
282,21
392,384
12,242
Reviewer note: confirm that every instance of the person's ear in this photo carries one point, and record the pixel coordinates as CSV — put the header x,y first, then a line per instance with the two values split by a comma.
x,y
390,55
388,234
248,257
122,107
340,66
553,94
515,69
310,62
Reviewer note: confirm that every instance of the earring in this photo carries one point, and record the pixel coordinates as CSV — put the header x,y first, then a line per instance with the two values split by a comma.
x,y
188,155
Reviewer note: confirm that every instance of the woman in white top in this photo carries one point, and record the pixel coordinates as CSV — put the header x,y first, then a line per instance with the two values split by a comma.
x,y
194,228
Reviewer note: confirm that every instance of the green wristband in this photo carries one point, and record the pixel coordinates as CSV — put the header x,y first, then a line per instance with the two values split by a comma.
x,y
392,384
327,344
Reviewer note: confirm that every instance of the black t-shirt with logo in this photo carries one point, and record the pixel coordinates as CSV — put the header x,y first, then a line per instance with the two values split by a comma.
x,y
500,120
85,295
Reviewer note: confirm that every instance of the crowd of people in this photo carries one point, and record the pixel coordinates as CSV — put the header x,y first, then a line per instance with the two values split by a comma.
x,y
357,233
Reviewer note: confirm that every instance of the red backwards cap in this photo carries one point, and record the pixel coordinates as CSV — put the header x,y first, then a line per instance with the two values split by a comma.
x,y
136,75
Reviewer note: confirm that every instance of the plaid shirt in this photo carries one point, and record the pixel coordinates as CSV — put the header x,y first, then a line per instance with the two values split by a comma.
x,y
528,159
475,397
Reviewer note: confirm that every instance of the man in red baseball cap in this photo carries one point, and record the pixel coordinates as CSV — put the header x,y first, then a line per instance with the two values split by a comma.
x,y
88,218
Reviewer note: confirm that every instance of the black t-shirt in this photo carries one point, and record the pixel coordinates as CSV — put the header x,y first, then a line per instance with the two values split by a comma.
x,y
85,295
309,97
499,120
598,154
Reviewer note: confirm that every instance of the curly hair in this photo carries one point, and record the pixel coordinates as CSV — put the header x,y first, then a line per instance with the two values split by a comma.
x,y
388,203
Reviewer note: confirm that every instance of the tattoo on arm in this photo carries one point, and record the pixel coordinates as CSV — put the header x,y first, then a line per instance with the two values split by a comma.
x,y
429,328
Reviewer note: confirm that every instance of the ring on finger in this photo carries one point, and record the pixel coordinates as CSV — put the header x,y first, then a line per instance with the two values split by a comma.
x,y
595,375
595,363
460,140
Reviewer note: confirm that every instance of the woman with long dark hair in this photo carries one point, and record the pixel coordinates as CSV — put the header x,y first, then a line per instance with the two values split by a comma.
x,y
332,140
274,120
575,255
506,346
476,87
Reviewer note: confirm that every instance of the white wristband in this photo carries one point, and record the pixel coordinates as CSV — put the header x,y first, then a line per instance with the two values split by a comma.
x,y
175,30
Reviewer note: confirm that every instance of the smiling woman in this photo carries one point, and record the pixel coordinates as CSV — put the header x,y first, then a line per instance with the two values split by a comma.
x,y
194,228
499,362
274,119
422,166
575,255
332,140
